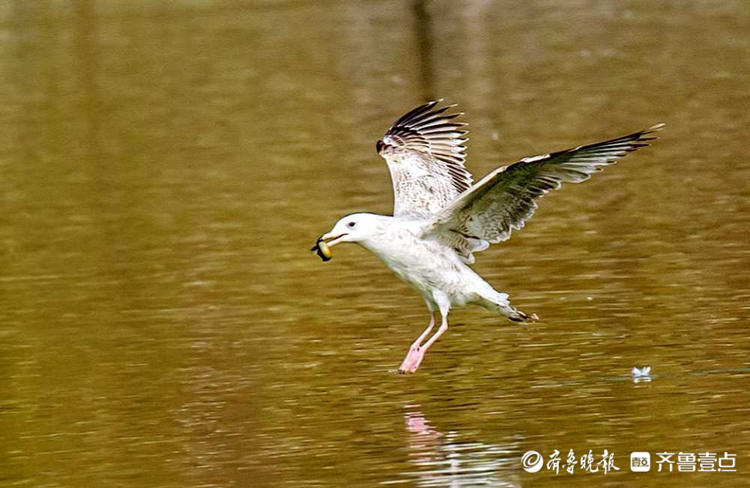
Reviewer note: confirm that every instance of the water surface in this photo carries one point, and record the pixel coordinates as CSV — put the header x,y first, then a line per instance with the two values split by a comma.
x,y
166,167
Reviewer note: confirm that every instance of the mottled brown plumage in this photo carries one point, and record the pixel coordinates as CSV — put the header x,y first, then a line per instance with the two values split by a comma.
x,y
505,199
425,153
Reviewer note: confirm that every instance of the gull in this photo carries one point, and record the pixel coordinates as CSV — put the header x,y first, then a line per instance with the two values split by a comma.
x,y
441,218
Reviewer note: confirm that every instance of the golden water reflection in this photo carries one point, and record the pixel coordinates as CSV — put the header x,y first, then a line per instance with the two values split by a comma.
x,y
166,165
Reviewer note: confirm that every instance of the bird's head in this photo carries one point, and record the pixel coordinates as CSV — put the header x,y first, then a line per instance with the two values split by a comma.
x,y
358,227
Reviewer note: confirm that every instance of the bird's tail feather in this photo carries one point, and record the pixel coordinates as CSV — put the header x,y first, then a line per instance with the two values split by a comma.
x,y
498,302
523,317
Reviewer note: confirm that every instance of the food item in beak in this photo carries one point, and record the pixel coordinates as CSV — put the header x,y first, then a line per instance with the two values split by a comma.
x,y
322,249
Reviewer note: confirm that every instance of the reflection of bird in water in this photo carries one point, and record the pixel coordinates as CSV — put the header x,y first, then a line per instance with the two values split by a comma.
x,y
440,218
446,460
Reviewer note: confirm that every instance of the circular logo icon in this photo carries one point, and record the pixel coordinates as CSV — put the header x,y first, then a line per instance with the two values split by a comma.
x,y
532,461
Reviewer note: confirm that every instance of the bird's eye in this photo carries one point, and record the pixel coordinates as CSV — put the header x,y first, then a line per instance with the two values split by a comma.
x,y
351,225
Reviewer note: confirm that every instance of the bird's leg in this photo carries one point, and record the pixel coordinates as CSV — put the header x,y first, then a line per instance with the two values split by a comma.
x,y
424,334
416,354
413,357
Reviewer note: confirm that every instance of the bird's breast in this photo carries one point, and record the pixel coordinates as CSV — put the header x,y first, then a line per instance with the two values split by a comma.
x,y
425,264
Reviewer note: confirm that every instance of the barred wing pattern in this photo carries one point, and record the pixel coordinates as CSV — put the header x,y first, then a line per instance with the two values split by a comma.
x,y
425,153
503,200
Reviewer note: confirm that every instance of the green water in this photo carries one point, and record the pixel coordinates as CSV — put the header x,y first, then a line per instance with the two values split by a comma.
x,y
166,166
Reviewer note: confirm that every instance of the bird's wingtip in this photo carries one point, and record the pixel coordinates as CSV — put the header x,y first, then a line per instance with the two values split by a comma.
x,y
436,101
657,127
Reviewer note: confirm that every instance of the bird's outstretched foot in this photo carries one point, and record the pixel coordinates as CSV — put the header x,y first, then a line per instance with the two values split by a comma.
x,y
412,360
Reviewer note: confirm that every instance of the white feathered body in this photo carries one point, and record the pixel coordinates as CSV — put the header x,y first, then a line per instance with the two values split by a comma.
x,y
429,265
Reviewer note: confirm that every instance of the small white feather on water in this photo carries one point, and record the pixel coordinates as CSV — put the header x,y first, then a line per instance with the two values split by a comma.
x,y
641,374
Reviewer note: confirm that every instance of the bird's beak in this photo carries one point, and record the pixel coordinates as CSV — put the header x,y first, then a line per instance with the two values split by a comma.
x,y
332,239
324,243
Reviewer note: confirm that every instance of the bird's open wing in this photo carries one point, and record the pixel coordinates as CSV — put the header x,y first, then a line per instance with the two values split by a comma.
x,y
425,153
504,199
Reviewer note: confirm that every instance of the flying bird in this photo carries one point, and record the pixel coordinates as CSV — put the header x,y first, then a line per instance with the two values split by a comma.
x,y
441,218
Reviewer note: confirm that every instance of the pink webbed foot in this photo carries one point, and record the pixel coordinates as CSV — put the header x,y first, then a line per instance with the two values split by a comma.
x,y
412,360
